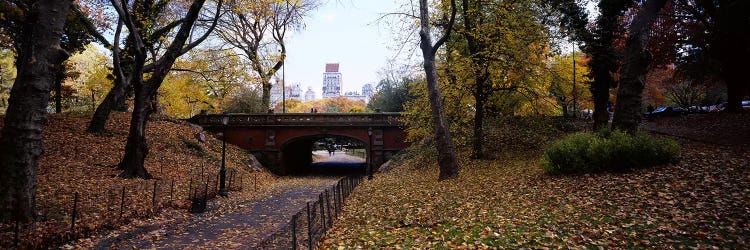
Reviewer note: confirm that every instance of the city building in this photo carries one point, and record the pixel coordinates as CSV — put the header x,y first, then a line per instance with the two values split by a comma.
x,y
309,95
292,92
354,95
368,91
332,81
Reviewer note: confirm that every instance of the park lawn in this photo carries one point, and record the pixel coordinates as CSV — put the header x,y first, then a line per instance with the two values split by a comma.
x,y
703,201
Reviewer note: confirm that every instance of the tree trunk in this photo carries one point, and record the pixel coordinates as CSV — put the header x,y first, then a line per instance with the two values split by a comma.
x,y
115,98
266,95
480,73
734,92
600,96
136,148
444,142
39,56
603,63
477,151
156,107
101,115
730,39
732,53
634,68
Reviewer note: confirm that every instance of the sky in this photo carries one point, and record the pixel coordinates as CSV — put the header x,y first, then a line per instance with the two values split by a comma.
x,y
344,32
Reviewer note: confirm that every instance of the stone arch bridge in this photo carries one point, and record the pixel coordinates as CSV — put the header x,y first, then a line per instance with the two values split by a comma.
x,y
283,142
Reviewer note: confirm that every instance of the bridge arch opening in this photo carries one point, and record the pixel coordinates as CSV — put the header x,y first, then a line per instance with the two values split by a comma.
x,y
324,154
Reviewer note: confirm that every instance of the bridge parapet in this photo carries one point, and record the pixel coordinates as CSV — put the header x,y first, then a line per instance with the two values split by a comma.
x,y
301,119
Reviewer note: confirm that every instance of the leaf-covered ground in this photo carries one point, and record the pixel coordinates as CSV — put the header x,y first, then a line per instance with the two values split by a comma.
x,y
703,202
715,128
77,161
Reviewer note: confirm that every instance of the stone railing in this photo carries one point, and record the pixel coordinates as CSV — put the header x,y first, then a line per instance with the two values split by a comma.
x,y
300,119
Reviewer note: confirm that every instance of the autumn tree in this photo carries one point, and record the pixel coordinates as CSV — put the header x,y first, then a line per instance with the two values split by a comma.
x,y
258,30
181,97
502,48
598,44
604,57
636,63
75,37
443,141
7,76
686,93
390,95
715,40
209,76
87,74
562,78
39,27
159,19
145,89
246,99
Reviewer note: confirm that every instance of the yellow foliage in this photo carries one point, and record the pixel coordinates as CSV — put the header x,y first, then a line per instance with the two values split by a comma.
x,y
181,97
328,105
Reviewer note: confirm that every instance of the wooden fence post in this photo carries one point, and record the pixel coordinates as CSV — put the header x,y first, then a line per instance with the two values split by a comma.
x,y
328,207
322,211
190,188
153,198
75,211
122,202
294,231
171,193
17,229
309,228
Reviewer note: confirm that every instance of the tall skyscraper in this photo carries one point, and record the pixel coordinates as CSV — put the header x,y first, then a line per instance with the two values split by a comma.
x,y
332,81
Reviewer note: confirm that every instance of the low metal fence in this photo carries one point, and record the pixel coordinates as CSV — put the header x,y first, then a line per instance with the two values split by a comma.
x,y
71,216
309,225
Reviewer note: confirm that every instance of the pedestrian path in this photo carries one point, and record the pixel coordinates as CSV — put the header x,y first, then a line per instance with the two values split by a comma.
x,y
243,228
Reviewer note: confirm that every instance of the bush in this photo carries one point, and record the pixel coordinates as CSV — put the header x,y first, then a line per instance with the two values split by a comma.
x,y
608,151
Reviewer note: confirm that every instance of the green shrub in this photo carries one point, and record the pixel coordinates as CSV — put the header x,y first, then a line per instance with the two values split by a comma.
x,y
608,151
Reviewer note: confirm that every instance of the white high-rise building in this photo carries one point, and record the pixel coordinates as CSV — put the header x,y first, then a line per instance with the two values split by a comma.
x,y
309,95
292,92
332,81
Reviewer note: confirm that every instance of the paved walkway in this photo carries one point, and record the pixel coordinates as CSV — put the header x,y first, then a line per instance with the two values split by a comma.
x,y
338,156
339,164
243,228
